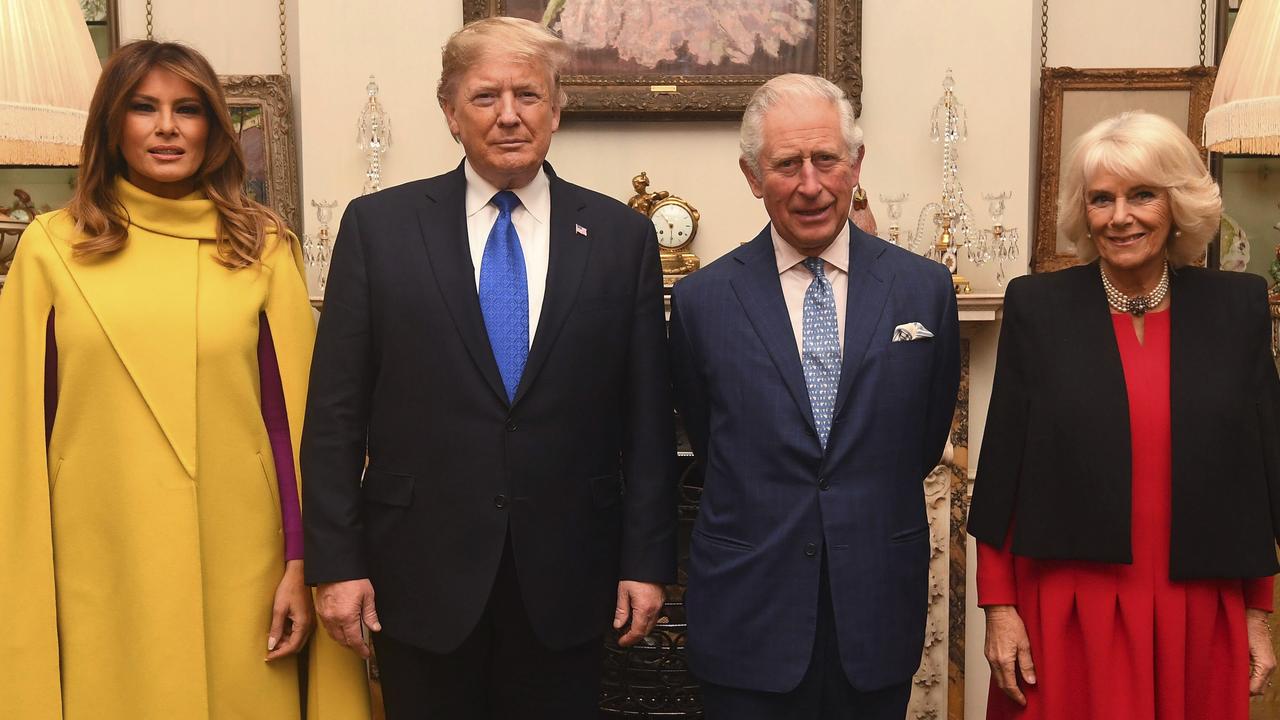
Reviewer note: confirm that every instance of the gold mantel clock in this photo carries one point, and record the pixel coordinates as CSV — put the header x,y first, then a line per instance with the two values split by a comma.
x,y
676,223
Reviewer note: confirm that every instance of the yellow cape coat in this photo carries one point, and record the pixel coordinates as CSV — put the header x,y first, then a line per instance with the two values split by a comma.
x,y
139,553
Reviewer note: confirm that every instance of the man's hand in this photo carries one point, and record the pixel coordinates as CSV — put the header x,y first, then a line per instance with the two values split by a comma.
x,y
343,607
639,601
1262,657
1007,650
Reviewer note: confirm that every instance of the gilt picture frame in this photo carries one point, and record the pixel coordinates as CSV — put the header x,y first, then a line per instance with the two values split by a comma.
x,y
262,117
683,60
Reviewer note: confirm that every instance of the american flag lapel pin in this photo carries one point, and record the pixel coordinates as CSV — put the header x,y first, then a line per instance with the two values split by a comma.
x,y
580,230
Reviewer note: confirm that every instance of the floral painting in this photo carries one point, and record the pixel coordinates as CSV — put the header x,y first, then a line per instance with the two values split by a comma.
x,y
692,37
699,56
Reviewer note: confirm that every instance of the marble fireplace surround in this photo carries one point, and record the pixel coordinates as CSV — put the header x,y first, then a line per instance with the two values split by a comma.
x,y
938,690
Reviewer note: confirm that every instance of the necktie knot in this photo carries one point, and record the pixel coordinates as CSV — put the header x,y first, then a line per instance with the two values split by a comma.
x,y
506,201
815,266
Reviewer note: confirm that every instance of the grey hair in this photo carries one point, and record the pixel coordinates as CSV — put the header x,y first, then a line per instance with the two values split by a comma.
x,y
1151,150
511,38
794,86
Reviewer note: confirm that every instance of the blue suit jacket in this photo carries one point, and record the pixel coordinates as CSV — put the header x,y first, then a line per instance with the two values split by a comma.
x,y
774,502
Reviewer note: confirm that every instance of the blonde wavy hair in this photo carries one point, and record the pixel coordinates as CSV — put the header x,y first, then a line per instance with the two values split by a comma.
x,y
514,39
243,224
1150,150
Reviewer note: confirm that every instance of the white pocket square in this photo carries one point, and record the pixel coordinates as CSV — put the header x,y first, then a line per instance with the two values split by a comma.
x,y
906,332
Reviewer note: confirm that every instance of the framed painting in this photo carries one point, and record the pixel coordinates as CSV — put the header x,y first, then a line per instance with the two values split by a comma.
x,y
262,118
1073,100
103,19
691,58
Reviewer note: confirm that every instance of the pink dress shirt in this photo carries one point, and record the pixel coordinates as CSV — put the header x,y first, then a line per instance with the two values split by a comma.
x,y
795,279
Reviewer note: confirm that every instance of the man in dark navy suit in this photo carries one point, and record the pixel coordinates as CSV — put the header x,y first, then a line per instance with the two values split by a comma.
x,y
817,369
493,339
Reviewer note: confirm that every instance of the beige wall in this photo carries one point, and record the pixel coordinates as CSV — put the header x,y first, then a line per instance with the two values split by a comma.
x,y
993,46
336,45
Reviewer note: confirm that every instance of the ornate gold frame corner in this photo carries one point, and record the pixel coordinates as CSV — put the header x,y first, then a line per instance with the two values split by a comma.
x,y
272,94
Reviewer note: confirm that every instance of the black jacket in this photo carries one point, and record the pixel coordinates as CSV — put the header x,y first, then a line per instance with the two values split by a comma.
x,y
579,469
1055,454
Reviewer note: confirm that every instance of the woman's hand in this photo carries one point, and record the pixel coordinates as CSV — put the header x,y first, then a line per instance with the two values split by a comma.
x,y
1262,658
292,616
1008,647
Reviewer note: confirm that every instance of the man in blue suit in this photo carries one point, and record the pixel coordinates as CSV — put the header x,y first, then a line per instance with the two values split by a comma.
x,y
817,369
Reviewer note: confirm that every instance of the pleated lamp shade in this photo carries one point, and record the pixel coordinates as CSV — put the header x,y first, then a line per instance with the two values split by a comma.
x,y
48,69
1244,114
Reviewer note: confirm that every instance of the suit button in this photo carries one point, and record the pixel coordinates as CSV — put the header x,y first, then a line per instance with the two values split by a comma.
x,y
809,431
511,426
810,550
499,501
823,484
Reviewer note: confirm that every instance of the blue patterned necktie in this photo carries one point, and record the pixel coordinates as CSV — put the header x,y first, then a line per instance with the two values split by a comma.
x,y
820,355
504,294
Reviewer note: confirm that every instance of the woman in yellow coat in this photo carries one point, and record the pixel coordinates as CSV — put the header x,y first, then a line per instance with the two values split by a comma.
x,y
142,553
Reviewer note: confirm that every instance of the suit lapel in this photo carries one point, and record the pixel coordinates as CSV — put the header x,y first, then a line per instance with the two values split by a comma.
x,y
869,284
443,228
565,267
760,293
1095,358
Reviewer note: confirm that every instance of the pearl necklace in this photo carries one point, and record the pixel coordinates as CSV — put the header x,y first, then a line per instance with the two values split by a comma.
x,y
1138,305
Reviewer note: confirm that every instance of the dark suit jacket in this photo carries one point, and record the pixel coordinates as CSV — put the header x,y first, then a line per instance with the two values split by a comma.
x,y
1055,454
774,502
579,468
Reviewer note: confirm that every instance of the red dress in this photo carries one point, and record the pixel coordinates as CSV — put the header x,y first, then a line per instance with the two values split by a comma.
x,y
1123,642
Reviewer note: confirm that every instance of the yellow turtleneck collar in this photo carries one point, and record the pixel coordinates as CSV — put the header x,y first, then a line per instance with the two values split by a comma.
x,y
193,216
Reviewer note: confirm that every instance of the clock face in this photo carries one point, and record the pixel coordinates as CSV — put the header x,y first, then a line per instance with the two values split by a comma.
x,y
674,225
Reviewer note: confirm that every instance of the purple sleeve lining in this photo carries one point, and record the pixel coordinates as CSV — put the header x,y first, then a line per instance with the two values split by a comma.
x,y
50,379
276,417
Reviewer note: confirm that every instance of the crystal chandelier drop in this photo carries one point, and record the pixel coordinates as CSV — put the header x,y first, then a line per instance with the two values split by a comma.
x,y
317,249
951,216
373,135
894,203
1000,243
954,227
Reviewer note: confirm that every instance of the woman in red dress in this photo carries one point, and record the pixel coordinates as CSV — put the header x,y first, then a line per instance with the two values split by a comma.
x,y
1128,493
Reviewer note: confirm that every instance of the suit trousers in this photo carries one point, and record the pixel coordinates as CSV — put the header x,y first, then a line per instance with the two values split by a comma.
x,y
824,693
500,672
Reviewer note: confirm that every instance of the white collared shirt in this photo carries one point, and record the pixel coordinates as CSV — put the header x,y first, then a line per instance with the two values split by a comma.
x,y
795,279
532,221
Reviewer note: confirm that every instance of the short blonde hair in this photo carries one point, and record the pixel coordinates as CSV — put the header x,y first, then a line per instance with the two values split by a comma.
x,y
513,39
1148,149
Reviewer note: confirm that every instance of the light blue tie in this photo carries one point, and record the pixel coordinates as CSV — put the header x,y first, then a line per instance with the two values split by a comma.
x,y
820,355
504,294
